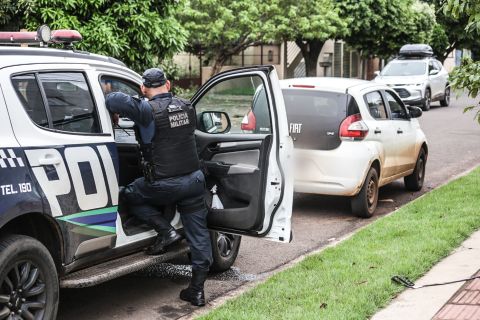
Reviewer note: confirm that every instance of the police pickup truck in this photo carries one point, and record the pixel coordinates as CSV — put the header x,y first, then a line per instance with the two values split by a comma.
x,y
62,163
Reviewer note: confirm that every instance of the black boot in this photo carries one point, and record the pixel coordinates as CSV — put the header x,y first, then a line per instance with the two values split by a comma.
x,y
194,293
163,241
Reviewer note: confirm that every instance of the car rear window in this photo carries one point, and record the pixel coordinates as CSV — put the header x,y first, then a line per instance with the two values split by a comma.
x,y
314,117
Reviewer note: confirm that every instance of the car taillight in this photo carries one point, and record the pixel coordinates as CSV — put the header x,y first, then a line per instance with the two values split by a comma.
x,y
353,128
249,122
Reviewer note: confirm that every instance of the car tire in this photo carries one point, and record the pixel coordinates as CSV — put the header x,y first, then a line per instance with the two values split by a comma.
x,y
34,293
427,100
446,97
365,202
225,249
414,182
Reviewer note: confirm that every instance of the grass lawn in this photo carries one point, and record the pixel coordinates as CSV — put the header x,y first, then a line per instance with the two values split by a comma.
x,y
352,280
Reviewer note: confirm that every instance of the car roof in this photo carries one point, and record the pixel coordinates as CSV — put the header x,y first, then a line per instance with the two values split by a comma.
x,y
12,56
328,83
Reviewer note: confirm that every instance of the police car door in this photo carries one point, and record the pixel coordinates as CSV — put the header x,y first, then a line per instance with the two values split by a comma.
x,y
70,150
243,140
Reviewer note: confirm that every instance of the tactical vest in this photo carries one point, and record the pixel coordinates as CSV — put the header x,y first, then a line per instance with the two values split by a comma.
x,y
174,150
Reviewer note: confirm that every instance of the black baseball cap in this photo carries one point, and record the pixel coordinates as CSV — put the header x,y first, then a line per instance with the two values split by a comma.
x,y
154,77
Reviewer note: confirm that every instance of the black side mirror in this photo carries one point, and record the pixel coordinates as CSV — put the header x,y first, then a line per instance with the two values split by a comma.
x,y
214,122
414,112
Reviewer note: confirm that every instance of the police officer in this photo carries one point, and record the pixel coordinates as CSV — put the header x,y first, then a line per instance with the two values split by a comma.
x,y
166,126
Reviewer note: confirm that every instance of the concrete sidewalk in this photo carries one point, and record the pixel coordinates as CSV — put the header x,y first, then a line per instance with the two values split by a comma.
x,y
446,302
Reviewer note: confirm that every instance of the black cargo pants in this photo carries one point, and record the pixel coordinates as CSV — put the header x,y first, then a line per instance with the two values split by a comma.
x,y
188,192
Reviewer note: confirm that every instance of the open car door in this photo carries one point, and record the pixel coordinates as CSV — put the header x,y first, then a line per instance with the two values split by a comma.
x,y
243,139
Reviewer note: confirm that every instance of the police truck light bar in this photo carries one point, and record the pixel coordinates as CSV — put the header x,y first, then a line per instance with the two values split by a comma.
x,y
42,36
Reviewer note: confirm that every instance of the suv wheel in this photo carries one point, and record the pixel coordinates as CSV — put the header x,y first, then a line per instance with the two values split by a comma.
x,y
446,97
365,202
28,280
414,182
427,100
225,249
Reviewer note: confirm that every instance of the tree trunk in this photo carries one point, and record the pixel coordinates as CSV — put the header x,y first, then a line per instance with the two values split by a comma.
x,y
218,64
310,51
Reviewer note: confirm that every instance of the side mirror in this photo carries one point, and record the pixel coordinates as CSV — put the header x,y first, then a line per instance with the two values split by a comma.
x,y
414,112
433,72
376,73
214,122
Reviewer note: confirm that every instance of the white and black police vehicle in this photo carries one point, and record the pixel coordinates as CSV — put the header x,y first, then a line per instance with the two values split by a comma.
x,y
62,163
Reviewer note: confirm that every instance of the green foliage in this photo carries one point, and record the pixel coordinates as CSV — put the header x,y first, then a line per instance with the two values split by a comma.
x,y
467,76
222,28
381,27
309,24
139,32
451,27
9,19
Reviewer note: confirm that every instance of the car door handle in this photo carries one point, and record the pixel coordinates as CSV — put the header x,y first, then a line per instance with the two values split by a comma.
x,y
399,131
377,131
49,161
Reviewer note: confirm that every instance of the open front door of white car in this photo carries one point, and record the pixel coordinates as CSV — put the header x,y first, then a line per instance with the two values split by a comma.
x,y
244,142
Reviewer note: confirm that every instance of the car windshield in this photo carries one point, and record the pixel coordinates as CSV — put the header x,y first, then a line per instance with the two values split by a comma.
x,y
405,68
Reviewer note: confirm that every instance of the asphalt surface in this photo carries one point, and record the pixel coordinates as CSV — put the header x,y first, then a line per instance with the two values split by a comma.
x,y
454,146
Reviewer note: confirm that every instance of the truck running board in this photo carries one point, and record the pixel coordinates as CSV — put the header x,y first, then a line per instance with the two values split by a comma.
x,y
119,267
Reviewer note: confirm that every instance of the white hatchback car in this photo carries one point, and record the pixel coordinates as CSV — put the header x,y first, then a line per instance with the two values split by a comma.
x,y
352,137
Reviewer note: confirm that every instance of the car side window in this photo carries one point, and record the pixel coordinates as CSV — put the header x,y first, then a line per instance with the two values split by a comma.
x,y
28,92
437,65
397,108
70,102
376,106
113,84
244,100
58,100
124,133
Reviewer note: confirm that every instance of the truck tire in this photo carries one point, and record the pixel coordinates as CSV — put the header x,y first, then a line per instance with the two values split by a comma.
x,y
28,279
414,182
365,202
225,249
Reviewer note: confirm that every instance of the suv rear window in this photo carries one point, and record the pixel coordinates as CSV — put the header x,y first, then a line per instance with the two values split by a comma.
x,y
315,116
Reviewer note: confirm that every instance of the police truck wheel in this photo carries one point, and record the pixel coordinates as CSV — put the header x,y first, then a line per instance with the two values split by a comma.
x,y
28,280
225,249
365,202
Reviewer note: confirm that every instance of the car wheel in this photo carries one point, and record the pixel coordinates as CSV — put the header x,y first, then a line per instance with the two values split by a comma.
x,y
365,202
414,182
446,98
427,100
225,249
28,280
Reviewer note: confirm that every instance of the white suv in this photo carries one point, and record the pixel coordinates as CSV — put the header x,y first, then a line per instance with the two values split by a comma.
x,y
352,137
417,77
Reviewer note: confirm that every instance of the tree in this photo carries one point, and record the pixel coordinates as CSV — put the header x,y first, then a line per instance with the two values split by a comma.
x,y
467,76
449,32
9,20
139,32
222,28
309,24
381,27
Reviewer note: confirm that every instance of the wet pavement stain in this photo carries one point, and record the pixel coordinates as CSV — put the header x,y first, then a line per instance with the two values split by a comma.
x,y
182,272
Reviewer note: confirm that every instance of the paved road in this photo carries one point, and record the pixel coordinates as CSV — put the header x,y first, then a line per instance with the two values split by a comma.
x,y
454,143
